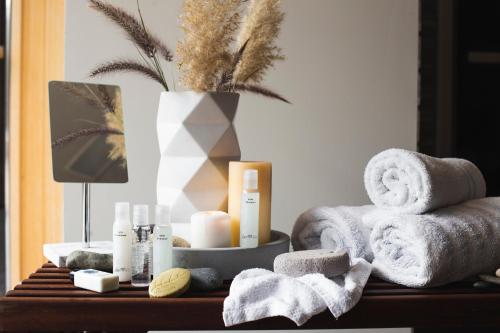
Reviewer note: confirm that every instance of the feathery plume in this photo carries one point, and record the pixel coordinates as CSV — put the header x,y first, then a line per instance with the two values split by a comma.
x,y
82,133
260,29
227,76
135,30
127,66
98,99
106,99
209,28
115,121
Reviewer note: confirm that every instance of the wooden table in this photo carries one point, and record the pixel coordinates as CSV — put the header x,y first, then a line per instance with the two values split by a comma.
x,y
48,301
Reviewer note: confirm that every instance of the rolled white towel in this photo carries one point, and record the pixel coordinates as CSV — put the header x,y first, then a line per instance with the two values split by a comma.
x,y
415,183
429,250
334,228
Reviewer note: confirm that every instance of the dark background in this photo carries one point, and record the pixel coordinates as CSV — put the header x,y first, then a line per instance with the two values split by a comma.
x,y
459,83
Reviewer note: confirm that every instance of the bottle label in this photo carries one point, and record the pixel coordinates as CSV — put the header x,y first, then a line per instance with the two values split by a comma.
x,y
122,253
162,237
249,220
162,250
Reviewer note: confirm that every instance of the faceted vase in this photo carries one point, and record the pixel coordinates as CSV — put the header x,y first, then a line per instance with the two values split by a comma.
x,y
197,140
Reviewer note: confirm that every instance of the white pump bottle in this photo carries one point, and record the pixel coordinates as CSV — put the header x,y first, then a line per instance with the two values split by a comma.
x,y
122,242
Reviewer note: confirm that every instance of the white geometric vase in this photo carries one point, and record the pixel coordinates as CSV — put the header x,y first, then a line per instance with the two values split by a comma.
x,y
197,140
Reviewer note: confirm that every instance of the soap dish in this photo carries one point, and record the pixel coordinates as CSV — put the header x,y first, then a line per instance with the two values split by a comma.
x,y
232,260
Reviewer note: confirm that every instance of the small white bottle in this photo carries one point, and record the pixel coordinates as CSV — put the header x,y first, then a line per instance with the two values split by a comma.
x,y
141,247
162,240
249,212
122,242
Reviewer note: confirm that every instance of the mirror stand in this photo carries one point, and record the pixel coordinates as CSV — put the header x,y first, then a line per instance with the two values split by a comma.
x,y
88,146
86,215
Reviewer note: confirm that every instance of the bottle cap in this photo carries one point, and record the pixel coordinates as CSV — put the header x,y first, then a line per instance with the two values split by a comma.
x,y
122,211
141,215
251,179
162,216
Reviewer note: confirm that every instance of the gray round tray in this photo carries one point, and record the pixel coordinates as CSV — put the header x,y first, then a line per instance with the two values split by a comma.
x,y
232,260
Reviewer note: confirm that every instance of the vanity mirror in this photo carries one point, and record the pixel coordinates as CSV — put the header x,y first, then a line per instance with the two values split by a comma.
x,y
87,138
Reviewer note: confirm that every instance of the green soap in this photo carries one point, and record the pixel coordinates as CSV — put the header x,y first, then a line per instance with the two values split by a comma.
x,y
171,283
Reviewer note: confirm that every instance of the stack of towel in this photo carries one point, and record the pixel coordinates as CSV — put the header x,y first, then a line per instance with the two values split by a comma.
x,y
429,223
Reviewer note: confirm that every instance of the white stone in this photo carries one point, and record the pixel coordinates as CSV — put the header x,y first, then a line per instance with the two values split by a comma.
x,y
58,252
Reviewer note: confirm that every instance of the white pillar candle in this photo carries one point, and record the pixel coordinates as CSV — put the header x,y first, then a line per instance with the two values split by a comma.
x,y
210,229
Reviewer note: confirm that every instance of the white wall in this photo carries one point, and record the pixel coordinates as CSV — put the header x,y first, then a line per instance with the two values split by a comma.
x,y
351,73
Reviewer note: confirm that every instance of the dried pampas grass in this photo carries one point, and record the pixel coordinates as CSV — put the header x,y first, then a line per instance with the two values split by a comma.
x,y
209,57
114,121
260,29
204,54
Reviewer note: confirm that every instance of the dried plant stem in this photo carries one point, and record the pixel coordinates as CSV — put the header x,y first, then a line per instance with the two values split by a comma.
x,y
227,76
204,54
84,132
260,29
145,42
136,32
128,66
156,62
107,100
258,90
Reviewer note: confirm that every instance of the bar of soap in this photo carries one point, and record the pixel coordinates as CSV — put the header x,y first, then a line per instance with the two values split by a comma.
x,y
95,280
171,283
327,262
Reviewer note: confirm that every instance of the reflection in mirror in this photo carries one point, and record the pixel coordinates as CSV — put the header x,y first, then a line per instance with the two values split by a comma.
x,y
87,133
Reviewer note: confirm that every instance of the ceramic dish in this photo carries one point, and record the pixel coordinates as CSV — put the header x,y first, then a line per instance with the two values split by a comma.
x,y
232,260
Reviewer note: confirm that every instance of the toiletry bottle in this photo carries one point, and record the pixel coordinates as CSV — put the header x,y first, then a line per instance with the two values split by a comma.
x,y
141,247
122,242
162,241
249,212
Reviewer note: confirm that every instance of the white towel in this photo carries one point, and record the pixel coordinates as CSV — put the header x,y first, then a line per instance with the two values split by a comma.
x,y
447,245
258,293
333,228
415,183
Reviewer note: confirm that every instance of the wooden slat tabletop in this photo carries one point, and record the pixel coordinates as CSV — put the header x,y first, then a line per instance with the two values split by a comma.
x,y
48,301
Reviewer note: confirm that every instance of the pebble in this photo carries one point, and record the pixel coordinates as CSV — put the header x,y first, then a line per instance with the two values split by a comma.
x,y
328,262
490,279
205,279
171,283
90,260
482,285
180,242
497,273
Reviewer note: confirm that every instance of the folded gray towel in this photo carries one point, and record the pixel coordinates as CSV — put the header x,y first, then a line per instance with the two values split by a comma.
x,y
335,228
415,183
447,245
